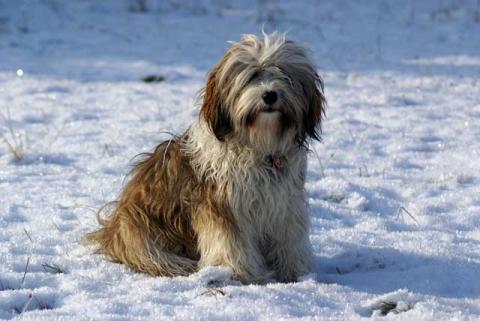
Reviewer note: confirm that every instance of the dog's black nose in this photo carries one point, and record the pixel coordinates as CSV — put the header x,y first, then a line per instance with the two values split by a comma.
x,y
269,97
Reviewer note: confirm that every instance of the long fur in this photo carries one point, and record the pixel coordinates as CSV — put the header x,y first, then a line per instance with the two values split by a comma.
x,y
212,196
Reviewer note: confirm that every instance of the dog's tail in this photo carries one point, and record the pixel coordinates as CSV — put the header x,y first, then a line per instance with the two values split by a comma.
x,y
128,239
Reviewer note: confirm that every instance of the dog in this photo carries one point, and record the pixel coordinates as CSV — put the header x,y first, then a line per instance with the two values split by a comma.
x,y
230,190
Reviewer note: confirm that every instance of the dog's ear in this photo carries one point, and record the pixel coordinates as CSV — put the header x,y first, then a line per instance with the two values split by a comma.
x,y
316,109
213,109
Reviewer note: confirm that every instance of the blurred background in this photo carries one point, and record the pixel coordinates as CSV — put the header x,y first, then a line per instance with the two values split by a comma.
x,y
126,39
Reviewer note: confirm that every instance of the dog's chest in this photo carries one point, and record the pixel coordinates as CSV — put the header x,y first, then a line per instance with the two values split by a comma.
x,y
265,196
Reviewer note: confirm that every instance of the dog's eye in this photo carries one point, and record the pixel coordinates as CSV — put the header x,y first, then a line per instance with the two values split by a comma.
x,y
286,76
254,75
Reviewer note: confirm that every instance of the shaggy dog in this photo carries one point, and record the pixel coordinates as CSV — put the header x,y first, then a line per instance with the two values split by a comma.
x,y
230,190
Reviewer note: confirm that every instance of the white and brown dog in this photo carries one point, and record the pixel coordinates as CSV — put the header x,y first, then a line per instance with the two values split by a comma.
x,y
230,190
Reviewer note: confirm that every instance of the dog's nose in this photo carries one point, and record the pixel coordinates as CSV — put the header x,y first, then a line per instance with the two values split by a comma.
x,y
269,97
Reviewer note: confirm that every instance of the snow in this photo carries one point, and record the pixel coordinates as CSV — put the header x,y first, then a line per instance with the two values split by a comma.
x,y
393,188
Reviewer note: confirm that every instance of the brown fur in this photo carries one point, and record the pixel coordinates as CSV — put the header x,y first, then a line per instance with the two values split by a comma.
x,y
161,210
213,109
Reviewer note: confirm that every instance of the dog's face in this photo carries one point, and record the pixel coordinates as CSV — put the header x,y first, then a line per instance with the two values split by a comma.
x,y
265,94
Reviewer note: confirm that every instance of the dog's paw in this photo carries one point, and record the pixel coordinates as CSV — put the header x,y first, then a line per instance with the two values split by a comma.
x,y
284,277
261,278
215,276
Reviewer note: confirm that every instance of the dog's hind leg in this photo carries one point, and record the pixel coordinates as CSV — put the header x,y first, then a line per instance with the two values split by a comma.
x,y
131,239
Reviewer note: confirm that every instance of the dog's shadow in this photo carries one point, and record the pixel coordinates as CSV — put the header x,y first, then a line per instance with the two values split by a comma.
x,y
383,270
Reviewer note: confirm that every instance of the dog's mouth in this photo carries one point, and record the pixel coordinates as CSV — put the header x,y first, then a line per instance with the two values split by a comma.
x,y
253,115
266,110
270,109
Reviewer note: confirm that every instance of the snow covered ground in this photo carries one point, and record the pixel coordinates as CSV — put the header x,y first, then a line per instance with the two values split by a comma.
x,y
394,187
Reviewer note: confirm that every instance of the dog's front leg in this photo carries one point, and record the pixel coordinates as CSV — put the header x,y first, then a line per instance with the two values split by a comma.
x,y
223,244
290,253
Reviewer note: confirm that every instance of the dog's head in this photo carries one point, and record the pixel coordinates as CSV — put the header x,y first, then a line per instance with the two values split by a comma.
x,y
264,93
